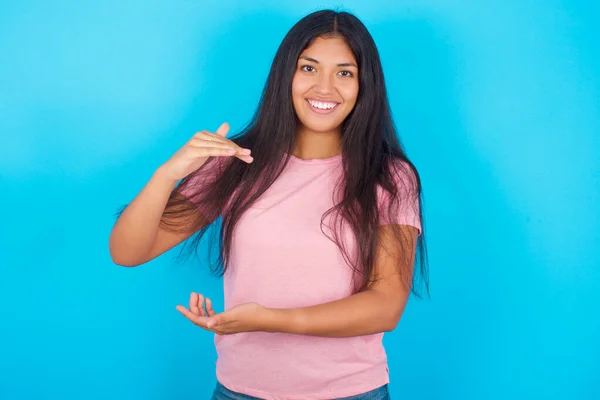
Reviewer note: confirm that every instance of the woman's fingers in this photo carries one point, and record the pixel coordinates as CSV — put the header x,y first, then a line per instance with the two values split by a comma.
x,y
203,143
223,129
200,142
209,308
196,319
210,135
201,305
201,151
194,303
217,141
247,159
207,139
197,314
197,304
212,152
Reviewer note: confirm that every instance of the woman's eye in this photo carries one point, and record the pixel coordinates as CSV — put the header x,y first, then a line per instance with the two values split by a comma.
x,y
307,68
346,74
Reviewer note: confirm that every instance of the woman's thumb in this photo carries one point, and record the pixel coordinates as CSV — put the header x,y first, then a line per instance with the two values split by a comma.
x,y
223,129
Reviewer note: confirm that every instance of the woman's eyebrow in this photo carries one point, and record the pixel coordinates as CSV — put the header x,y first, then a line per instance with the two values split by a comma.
x,y
346,64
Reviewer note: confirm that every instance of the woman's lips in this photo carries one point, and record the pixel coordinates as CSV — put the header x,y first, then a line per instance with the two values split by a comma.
x,y
321,110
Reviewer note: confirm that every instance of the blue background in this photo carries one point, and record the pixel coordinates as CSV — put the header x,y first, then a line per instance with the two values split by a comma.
x,y
498,106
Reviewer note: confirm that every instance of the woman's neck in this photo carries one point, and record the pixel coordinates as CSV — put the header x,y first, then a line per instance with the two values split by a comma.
x,y
313,145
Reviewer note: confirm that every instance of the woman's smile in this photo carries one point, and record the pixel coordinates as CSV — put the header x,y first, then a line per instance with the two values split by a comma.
x,y
322,107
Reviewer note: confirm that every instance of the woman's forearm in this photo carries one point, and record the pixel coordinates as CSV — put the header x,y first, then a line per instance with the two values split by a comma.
x,y
363,313
134,233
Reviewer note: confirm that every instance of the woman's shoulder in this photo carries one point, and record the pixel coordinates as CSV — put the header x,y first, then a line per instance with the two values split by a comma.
x,y
403,172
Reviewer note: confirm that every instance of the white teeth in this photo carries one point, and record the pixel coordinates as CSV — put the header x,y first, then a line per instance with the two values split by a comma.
x,y
322,105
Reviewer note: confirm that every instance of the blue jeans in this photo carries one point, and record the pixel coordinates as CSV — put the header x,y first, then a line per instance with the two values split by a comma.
x,y
222,393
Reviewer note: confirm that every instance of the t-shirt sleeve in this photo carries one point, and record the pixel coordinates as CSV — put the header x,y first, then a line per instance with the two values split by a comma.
x,y
406,210
195,187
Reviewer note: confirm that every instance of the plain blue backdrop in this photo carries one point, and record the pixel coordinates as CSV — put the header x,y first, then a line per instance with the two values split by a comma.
x,y
497,103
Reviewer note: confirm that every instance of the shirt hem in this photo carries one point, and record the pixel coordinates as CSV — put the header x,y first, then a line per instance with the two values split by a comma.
x,y
312,396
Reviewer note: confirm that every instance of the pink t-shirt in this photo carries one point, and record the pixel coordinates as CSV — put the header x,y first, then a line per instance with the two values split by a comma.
x,y
281,259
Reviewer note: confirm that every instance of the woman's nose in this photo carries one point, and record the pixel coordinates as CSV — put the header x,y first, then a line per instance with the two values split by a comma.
x,y
324,85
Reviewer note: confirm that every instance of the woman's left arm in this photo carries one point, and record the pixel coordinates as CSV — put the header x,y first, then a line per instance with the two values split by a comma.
x,y
375,310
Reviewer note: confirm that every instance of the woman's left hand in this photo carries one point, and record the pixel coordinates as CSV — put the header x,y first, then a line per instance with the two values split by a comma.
x,y
248,317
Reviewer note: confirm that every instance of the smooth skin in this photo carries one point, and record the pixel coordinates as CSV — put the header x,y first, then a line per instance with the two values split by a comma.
x,y
326,71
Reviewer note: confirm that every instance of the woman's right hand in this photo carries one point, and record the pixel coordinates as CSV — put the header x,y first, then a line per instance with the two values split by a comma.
x,y
202,146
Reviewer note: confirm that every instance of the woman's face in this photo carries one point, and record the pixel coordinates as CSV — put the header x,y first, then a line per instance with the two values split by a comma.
x,y
325,85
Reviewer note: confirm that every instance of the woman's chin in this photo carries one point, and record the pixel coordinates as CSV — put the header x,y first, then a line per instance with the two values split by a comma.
x,y
320,127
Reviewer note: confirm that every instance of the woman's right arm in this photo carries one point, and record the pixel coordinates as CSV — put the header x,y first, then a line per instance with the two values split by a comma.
x,y
137,237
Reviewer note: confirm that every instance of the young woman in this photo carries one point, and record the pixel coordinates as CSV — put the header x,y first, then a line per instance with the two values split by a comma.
x,y
321,222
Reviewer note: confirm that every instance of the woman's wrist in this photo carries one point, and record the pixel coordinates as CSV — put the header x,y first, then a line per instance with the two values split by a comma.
x,y
283,320
163,176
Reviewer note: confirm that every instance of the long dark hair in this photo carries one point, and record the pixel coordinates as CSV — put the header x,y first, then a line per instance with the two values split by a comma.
x,y
371,155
